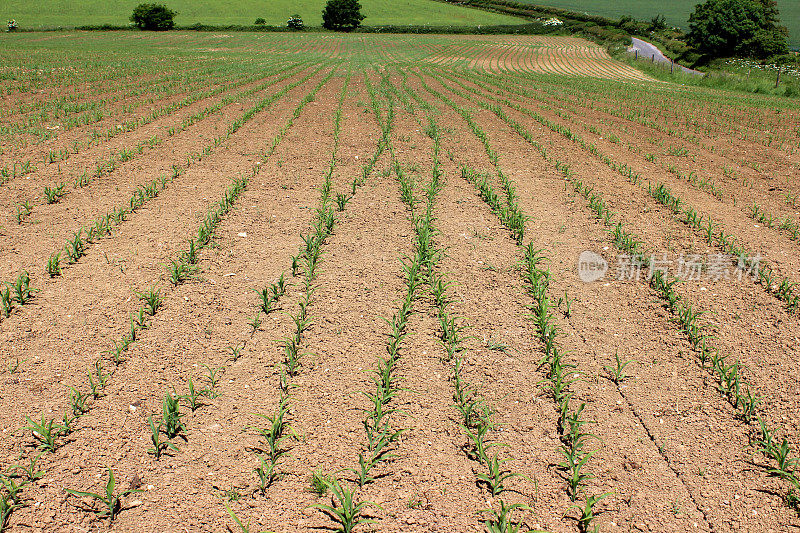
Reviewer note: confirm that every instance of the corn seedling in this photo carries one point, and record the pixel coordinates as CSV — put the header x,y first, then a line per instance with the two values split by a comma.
x,y
178,271
152,300
254,323
111,502
345,510
22,289
319,483
6,303
236,351
341,201
194,397
496,476
266,473
13,366
275,433
502,521
617,372
23,211
574,462
29,471
265,300
78,401
54,265
171,416
213,376
587,512
53,194
45,432
102,377
159,446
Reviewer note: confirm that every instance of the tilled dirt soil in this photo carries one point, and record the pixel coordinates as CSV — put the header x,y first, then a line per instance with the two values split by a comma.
x,y
345,133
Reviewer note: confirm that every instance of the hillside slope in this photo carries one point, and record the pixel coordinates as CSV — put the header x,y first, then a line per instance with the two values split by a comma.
x,y
70,13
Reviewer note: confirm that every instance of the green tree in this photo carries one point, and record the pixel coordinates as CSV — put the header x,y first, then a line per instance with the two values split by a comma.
x,y
725,28
342,15
153,17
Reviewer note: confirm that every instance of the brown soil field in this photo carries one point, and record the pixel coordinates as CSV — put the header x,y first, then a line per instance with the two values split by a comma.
x,y
306,282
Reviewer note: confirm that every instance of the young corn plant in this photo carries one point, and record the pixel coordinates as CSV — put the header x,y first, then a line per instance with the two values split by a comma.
x,y
496,476
171,416
502,521
30,471
213,376
78,401
153,299
617,372
54,265
45,432
110,502
345,509
274,433
6,301
588,514
194,397
22,292
159,445
23,211
53,194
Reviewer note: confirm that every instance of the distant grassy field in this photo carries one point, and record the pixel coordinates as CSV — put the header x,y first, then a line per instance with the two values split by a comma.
x,y
676,11
70,13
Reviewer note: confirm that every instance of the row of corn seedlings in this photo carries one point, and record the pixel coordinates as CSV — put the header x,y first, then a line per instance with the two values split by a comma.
x,y
305,265
17,170
54,156
560,373
510,211
77,246
70,103
728,374
731,382
95,137
346,508
474,412
185,264
48,433
785,224
104,167
782,289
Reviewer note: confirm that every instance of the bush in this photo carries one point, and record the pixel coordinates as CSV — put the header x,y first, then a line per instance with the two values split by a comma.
x,y
260,21
747,28
342,15
153,17
295,22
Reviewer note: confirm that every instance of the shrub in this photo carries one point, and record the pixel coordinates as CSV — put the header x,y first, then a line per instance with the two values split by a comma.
x,y
342,15
724,28
260,21
153,17
295,22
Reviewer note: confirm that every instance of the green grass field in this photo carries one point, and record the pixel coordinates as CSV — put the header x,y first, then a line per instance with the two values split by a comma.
x,y
70,13
676,11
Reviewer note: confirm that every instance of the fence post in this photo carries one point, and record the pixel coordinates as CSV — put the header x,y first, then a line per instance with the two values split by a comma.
x,y
778,79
